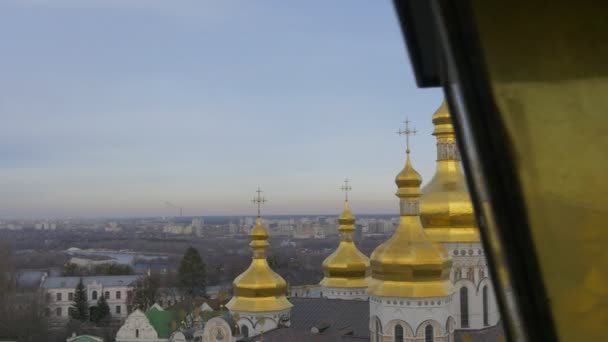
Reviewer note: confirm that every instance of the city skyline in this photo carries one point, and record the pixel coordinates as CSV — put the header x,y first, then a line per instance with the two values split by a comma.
x,y
116,107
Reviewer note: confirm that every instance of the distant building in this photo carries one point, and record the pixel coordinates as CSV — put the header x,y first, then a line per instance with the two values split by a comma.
x,y
113,227
58,294
45,226
173,228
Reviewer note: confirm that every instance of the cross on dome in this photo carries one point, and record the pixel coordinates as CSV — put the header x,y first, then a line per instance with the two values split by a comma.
x,y
407,132
258,200
346,188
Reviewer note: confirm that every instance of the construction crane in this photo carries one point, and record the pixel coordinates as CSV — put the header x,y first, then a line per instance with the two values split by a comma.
x,y
169,204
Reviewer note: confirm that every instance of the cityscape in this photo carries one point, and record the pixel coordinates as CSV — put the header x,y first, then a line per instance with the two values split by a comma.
x,y
221,171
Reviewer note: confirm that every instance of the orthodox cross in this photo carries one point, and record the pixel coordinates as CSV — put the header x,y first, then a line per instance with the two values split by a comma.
x,y
346,188
258,200
407,132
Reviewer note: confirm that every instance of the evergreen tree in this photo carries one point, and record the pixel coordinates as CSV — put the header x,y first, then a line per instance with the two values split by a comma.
x,y
101,314
144,293
192,275
80,307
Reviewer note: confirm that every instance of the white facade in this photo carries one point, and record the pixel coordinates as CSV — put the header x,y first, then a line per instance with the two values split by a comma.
x,y
137,328
347,293
470,276
58,294
402,319
216,329
255,323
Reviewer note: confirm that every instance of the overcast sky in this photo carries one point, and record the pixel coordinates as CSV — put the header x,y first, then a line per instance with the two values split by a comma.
x,y
112,107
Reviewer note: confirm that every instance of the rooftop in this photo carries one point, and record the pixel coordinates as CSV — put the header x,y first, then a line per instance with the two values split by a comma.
x,y
72,282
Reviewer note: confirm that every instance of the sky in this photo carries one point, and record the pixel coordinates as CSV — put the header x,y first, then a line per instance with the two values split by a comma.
x,y
110,108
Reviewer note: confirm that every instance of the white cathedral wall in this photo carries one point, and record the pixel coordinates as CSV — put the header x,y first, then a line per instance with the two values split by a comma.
x,y
258,322
470,271
356,293
413,315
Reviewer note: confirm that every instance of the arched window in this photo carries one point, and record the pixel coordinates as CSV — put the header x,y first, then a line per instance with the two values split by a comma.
x,y
464,307
485,306
136,333
378,331
244,331
398,333
429,334
94,295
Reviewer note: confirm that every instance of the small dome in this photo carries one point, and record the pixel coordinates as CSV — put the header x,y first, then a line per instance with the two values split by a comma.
x,y
408,177
346,218
446,210
410,264
442,120
259,288
346,267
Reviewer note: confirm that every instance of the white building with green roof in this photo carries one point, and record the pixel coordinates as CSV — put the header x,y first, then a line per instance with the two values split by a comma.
x,y
155,325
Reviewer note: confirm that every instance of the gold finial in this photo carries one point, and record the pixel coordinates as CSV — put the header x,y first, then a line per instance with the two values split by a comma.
x,y
258,200
407,131
346,188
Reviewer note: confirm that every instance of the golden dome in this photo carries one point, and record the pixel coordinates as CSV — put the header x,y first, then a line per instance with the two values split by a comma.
x,y
346,266
446,210
259,288
410,264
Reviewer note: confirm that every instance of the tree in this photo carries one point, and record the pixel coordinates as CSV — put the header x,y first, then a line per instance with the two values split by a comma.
x,y
113,269
192,275
144,293
70,270
101,313
80,307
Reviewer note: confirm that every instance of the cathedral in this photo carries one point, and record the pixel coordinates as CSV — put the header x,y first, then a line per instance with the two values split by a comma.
x,y
428,282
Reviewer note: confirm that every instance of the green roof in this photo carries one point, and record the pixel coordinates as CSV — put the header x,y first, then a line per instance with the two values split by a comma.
x,y
161,321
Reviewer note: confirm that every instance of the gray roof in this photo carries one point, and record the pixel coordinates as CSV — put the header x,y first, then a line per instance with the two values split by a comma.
x,y
71,282
347,320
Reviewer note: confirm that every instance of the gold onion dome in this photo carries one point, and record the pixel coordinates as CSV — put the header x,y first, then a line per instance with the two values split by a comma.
x,y
410,264
346,266
446,210
259,288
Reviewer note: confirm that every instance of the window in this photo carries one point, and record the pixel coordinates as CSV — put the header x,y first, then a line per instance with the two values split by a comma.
x,y
485,306
117,294
244,331
398,333
71,296
136,333
107,294
58,296
58,312
48,297
118,309
94,295
428,334
464,307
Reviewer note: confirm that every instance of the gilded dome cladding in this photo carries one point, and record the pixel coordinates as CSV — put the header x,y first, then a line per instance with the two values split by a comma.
x,y
410,264
446,210
346,267
259,288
